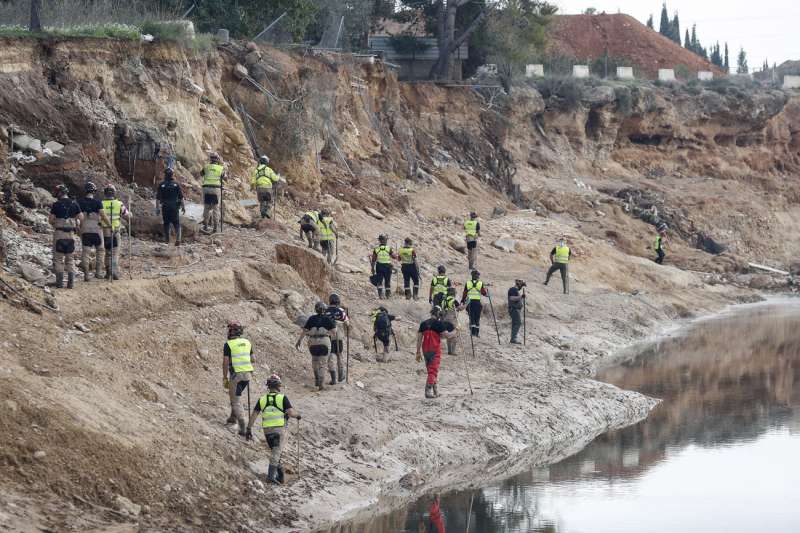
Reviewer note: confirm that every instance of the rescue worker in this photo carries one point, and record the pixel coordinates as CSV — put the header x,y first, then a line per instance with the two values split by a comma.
x,y
409,269
658,246
328,234
516,301
559,259
382,331
309,228
439,286
115,211
65,217
472,230
213,176
342,320
450,308
169,201
237,369
91,231
473,290
381,264
274,408
429,344
319,329
262,181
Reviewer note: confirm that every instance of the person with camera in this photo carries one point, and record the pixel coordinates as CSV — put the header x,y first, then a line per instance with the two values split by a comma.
x,y
516,302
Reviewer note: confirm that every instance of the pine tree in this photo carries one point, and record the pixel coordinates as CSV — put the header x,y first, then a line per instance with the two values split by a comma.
x,y
741,62
687,43
695,43
726,62
650,22
664,27
675,29
716,56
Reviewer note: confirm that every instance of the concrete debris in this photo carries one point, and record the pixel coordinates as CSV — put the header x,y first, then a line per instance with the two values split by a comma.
x,y
359,384
125,506
147,38
505,243
223,36
39,455
53,146
192,87
30,273
21,159
253,58
82,327
498,212
240,72
375,213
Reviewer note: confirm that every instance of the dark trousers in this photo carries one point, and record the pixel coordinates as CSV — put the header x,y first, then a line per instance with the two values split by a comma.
x,y
384,272
410,277
660,258
562,269
516,321
474,309
169,214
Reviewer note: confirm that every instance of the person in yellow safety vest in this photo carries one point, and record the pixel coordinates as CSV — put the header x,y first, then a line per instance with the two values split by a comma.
x,y
658,246
473,290
309,228
409,269
472,230
559,259
115,211
450,308
237,369
381,265
274,408
262,182
439,285
327,235
213,176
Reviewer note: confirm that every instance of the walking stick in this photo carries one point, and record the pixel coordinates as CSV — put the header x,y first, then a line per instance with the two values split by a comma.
x,y
347,348
298,450
494,318
396,349
472,342
221,205
524,318
466,368
248,401
336,260
130,242
375,344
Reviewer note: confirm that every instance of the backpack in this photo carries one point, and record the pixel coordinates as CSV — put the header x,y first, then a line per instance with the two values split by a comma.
x,y
380,320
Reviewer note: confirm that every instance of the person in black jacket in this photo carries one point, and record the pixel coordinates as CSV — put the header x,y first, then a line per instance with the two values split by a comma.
x,y
170,200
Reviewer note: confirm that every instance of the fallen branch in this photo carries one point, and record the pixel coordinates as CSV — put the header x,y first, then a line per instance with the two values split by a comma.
x,y
28,300
768,269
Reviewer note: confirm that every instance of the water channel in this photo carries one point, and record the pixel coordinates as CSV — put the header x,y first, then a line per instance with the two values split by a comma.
x,y
721,453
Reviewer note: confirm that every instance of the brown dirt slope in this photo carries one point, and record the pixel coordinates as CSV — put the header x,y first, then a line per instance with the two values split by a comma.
x,y
588,36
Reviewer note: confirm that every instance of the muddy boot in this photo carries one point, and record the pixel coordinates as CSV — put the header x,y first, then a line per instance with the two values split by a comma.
x,y
272,474
242,427
408,293
388,292
428,391
333,377
279,474
416,293
435,390
70,280
319,381
98,273
85,275
380,294
231,419
59,280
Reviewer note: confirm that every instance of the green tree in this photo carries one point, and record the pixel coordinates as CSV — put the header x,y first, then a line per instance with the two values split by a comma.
x,y
650,23
687,43
590,11
675,29
741,62
246,18
716,56
664,27
726,64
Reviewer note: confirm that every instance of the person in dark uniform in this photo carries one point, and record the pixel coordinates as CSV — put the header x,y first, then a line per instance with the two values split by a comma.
x,y
169,198
65,217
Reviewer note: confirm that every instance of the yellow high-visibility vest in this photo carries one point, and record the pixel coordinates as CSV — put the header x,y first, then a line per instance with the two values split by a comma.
x,y
474,289
113,210
240,355
471,228
562,254
212,175
326,229
384,254
406,255
264,177
439,284
272,413
658,245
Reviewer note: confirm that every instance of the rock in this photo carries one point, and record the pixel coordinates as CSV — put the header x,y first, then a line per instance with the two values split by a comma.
x,y
82,327
11,405
458,245
125,506
375,213
498,212
39,455
308,264
223,36
54,146
425,177
30,272
191,87
253,58
507,244
359,384
347,268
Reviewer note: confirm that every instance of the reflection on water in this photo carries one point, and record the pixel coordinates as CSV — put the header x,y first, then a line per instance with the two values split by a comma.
x,y
720,454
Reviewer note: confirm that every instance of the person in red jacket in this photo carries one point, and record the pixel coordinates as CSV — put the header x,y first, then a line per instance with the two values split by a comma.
x,y
429,344
435,516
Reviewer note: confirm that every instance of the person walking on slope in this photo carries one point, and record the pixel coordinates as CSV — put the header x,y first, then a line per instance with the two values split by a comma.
x,y
328,234
516,301
262,182
382,331
91,231
473,291
169,201
450,308
342,320
658,246
429,345
213,176
65,217
381,263
274,408
472,231
309,228
409,268
115,211
439,287
559,259
319,328
237,369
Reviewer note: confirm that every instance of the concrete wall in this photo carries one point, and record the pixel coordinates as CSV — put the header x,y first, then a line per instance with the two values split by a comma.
x,y
534,71
791,82
666,74
705,75
580,71
625,73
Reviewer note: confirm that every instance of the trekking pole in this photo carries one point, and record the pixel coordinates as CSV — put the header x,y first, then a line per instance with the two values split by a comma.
x,y
524,318
396,349
298,450
130,242
494,318
221,205
375,344
347,348
336,245
248,400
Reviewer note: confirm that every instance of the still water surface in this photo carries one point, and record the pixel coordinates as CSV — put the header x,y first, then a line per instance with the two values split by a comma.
x,y
720,454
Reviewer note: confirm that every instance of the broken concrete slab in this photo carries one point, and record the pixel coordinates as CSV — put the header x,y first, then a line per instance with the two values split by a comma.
x,y
374,212
54,146
507,244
